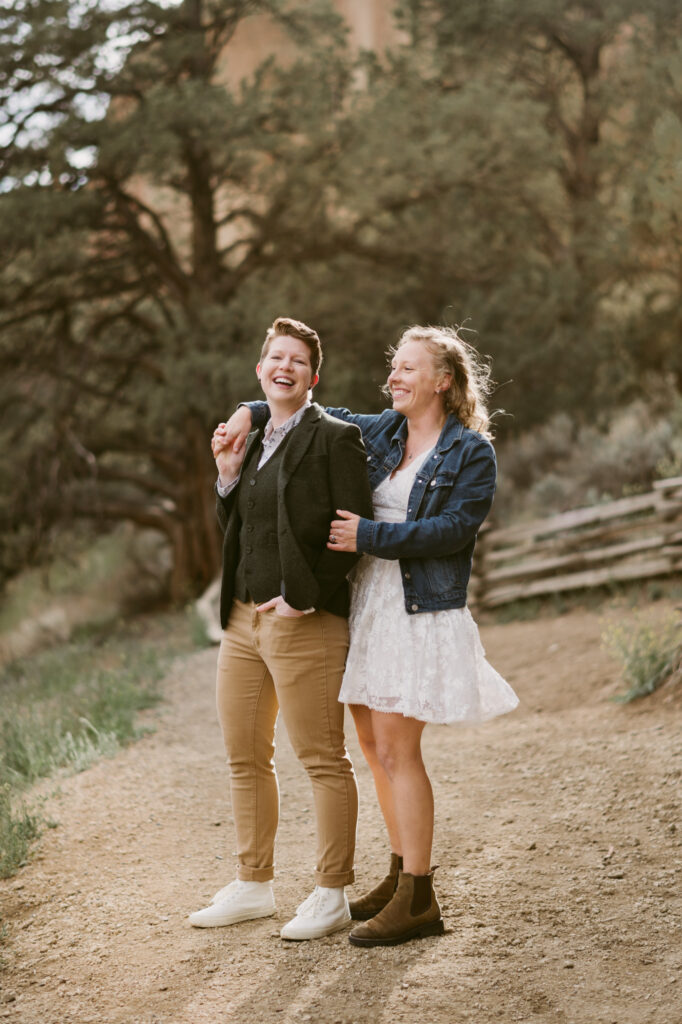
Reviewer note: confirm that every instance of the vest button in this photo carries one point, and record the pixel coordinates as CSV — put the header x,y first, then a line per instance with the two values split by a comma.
x,y
249,549
408,576
415,607
250,503
252,481
249,529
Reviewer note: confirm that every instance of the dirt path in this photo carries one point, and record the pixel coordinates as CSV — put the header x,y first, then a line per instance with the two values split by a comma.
x,y
558,842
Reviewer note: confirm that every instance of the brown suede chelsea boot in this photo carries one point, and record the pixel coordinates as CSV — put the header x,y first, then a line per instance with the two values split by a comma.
x,y
372,902
413,913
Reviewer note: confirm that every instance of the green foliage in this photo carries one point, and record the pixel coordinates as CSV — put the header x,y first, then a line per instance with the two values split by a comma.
x,y
64,709
649,652
563,465
116,340
593,298
514,166
18,829
197,629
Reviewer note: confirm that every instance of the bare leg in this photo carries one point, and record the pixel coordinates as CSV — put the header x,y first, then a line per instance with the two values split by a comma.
x,y
363,724
397,747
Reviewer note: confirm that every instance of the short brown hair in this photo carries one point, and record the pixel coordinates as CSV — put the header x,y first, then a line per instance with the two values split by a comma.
x,y
285,326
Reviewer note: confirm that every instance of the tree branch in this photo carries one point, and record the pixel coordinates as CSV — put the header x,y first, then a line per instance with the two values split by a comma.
x,y
111,474
161,251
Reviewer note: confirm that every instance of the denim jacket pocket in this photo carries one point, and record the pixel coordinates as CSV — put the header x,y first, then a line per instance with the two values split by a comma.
x,y
444,575
439,489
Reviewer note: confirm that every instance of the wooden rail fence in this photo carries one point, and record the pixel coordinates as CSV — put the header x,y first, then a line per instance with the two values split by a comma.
x,y
633,538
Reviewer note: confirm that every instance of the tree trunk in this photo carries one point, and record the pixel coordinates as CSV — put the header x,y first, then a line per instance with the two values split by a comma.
x,y
195,537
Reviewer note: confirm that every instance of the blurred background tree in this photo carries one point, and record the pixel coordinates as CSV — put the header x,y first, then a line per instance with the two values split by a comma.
x,y
142,194
512,166
602,83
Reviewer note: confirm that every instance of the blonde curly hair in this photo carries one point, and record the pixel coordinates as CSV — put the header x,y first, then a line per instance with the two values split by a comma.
x,y
471,382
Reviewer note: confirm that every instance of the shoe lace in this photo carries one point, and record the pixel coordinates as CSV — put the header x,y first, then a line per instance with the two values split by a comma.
x,y
229,891
301,909
317,902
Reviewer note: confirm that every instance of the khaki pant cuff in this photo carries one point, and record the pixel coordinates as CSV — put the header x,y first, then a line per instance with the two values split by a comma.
x,y
333,881
246,874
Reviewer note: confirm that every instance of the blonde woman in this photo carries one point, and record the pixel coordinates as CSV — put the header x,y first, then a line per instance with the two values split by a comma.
x,y
415,655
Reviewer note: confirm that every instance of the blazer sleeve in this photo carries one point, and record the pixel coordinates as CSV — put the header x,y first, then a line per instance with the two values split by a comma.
x,y
223,506
453,528
225,502
350,490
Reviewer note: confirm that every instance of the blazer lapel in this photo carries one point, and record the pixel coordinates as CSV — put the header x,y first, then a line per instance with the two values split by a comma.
x,y
301,436
252,441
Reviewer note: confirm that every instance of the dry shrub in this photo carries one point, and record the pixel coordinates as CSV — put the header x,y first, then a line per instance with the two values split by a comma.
x,y
563,465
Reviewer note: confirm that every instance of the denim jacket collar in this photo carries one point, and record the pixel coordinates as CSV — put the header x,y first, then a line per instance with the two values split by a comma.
x,y
452,431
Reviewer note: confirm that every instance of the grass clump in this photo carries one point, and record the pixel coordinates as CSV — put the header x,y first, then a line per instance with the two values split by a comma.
x,y
198,630
63,709
18,829
59,709
651,654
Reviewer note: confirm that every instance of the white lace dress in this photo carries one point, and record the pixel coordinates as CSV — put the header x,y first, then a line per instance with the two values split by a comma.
x,y
429,666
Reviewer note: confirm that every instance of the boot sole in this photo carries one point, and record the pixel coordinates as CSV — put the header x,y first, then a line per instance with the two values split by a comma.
x,y
421,932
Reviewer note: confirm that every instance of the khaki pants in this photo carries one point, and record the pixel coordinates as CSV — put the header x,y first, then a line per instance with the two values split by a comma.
x,y
267,663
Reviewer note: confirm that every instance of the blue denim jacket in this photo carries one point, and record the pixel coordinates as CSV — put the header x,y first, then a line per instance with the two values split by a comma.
x,y
451,496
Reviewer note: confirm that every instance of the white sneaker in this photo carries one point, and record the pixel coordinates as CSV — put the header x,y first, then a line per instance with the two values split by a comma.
x,y
324,912
238,901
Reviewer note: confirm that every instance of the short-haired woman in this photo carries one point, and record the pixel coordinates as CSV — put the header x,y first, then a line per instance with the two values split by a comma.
x,y
284,604
415,655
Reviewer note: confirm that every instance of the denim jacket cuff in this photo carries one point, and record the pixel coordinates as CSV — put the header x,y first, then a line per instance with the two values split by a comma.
x,y
365,537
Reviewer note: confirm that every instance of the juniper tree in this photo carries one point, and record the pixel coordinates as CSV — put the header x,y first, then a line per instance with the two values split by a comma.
x,y
580,315
510,163
158,209
143,183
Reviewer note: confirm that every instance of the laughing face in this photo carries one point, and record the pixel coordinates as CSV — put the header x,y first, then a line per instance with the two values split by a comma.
x,y
414,383
286,373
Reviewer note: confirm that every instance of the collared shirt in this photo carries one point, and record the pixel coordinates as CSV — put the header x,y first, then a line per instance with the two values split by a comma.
x,y
272,439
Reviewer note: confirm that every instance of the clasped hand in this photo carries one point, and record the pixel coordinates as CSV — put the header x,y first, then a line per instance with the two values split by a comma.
x,y
228,444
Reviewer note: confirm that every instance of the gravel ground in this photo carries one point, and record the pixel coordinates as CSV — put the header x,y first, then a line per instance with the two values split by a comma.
x,y
558,845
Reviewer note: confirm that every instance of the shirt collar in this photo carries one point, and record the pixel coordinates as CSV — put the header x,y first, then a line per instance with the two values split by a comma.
x,y
273,433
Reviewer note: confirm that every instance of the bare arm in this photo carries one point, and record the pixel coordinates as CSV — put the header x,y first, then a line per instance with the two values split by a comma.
x,y
232,435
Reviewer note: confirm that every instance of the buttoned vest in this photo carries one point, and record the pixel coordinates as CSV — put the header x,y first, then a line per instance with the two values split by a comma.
x,y
259,571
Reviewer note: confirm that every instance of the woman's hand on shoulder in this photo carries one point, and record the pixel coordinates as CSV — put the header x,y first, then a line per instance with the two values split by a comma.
x,y
343,532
